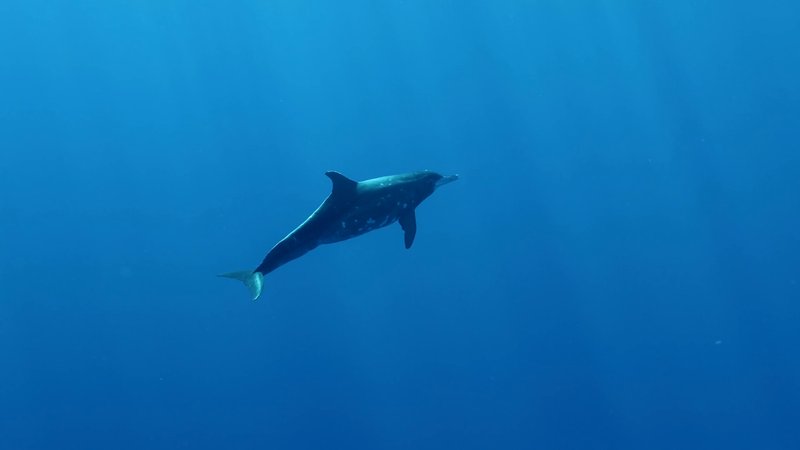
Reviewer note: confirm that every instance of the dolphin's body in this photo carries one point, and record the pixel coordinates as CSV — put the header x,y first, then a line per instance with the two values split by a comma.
x,y
352,209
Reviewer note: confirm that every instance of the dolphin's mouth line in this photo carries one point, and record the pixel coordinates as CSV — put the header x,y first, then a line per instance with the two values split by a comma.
x,y
446,179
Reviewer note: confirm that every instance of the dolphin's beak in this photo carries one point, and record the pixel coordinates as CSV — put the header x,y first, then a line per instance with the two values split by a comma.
x,y
446,179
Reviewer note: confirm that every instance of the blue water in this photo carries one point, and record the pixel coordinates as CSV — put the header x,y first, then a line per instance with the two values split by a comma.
x,y
616,269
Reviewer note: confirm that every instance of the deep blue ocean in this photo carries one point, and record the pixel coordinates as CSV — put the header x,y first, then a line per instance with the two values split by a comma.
x,y
617,268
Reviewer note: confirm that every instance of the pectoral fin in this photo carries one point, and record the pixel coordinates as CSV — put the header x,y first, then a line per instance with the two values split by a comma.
x,y
409,223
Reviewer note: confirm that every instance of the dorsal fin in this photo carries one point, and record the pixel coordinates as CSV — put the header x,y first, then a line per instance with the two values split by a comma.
x,y
342,186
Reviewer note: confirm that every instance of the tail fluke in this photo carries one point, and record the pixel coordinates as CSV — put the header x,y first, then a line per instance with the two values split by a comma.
x,y
253,280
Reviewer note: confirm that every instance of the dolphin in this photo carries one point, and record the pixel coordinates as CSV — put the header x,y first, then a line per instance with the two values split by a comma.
x,y
352,209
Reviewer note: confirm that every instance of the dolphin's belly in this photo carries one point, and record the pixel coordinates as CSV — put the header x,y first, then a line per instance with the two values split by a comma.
x,y
364,218
354,225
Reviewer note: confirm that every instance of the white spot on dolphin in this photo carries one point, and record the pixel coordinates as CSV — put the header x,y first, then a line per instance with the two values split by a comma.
x,y
370,221
344,224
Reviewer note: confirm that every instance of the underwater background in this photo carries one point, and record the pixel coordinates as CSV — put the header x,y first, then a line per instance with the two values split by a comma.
x,y
617,267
